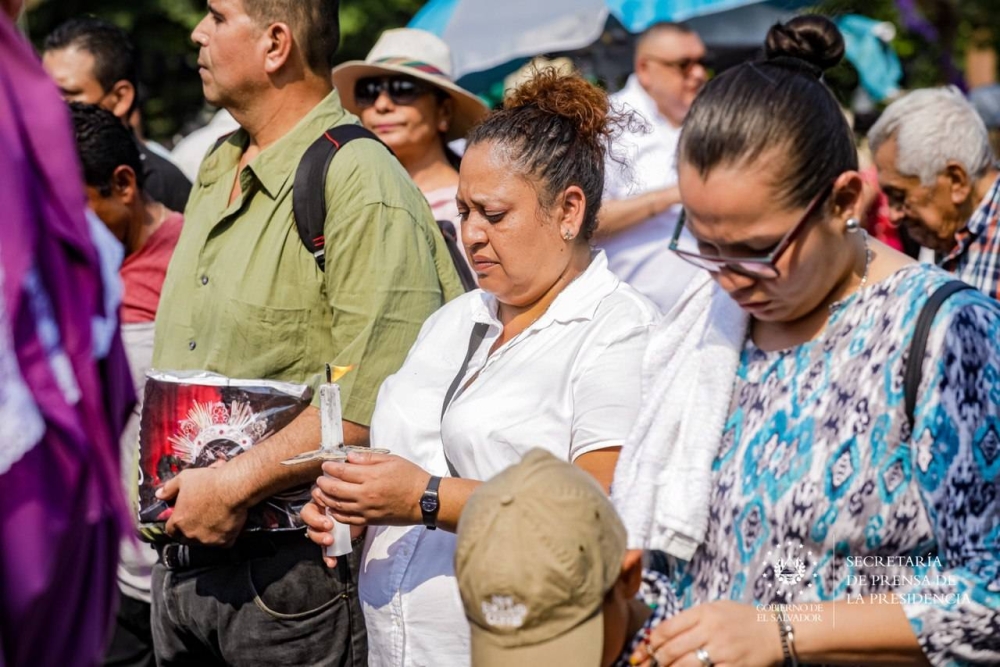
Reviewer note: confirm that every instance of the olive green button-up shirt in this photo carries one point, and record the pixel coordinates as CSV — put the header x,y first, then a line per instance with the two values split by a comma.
x,y
244,297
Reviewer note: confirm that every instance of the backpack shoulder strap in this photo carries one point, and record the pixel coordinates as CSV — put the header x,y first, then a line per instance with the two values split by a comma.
x,y
915,361
218,142
454,245
309,186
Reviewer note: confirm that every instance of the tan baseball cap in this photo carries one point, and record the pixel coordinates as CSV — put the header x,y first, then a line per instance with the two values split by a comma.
x,y
539,547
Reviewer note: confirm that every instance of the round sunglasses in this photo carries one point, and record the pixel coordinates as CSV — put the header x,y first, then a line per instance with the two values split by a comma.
x,y
402,90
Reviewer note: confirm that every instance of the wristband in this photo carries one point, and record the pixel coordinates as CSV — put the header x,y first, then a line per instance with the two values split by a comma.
x,y
787,640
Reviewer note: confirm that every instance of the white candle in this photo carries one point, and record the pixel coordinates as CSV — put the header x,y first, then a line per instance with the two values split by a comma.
x,y
332,430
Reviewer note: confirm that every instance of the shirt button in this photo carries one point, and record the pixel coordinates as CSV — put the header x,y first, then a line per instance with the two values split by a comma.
x,y
204,280
192,345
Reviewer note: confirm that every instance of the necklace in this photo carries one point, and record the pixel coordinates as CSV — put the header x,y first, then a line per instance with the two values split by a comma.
x,y
864,276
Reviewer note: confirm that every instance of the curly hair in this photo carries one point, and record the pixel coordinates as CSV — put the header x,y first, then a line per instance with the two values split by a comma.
x,y
557,128
103,144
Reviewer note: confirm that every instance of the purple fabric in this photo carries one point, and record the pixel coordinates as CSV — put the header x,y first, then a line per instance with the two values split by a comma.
x,y
61,506
915,22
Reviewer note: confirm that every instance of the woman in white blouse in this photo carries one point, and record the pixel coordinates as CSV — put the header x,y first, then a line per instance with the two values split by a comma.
x,y
546,354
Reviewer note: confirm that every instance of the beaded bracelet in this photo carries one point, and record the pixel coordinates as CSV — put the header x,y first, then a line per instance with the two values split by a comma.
x,y
787,640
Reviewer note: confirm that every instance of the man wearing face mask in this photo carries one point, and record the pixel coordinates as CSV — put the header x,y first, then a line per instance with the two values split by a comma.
x,y
640,209
937,169
93,61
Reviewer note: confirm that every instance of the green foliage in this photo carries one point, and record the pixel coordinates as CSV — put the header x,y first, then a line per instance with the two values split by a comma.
x,y
174,104
362,21
958,23
161,30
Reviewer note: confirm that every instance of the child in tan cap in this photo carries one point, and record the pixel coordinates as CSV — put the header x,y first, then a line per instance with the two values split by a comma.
x,y
544,573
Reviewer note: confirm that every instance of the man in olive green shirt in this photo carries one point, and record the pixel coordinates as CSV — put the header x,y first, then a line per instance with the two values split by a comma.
x,y
243,297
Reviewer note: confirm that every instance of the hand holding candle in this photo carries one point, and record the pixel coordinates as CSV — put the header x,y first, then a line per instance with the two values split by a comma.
x,y
332,442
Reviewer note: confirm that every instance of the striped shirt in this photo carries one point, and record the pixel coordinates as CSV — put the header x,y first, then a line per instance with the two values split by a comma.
x,y
976,257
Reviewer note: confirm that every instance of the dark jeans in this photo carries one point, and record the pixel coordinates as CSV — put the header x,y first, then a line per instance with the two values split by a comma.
x,y
132,638
283,609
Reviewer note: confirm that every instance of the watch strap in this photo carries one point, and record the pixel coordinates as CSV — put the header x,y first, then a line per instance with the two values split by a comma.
x,y
430,497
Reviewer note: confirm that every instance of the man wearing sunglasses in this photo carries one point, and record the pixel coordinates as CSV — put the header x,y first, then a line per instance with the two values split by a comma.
x,y
244,298
639,211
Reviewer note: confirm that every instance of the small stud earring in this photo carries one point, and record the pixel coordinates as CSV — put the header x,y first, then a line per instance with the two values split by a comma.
x,y
568,235
853,225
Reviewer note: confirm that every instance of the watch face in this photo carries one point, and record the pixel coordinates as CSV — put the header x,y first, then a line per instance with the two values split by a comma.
x,y
429,503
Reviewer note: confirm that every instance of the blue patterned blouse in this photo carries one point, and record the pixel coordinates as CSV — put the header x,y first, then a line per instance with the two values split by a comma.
x,y
821,494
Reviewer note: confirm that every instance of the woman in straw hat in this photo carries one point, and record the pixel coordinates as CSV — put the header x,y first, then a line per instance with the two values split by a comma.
x,y
403,92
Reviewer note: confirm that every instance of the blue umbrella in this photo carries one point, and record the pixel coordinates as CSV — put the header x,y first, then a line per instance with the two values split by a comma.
x,y
487,36
869,50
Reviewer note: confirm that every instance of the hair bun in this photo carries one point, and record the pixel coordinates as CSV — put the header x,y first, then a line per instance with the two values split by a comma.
x,y
568,96
811,38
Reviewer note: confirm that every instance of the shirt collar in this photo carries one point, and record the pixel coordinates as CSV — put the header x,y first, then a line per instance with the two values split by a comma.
x,y
578,300
276,163
984,217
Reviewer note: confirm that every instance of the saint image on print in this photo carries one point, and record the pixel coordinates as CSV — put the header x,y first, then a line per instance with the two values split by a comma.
x,y
197,420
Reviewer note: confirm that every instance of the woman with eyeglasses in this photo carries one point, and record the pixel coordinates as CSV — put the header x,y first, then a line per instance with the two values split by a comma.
x,y
403,92
825,487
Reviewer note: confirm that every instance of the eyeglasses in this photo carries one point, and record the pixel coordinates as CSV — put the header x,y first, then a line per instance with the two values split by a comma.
x,y
904,201
754,267
684,65
402,90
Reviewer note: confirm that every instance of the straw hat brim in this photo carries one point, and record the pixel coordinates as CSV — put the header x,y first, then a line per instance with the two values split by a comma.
x,y
468,110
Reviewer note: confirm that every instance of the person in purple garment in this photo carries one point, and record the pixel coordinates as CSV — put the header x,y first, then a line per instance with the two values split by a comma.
x,y
64,387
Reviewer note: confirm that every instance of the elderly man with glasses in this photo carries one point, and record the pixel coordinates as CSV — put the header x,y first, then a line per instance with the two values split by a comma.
x,y
939,173
640,209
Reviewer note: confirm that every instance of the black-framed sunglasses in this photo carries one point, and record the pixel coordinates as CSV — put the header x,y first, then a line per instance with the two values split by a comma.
x,y
754,267
402,90
685,65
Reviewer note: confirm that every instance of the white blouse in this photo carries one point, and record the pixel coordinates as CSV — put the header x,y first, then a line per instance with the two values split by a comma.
x,y
569,383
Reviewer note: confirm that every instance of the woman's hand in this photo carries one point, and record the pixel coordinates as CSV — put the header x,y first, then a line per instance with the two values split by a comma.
x,y
731,634
375,489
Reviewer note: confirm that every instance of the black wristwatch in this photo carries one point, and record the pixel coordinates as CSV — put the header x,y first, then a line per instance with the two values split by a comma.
x,y
429,504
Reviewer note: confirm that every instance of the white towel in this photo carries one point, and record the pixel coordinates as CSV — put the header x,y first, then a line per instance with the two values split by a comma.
x,y
663,480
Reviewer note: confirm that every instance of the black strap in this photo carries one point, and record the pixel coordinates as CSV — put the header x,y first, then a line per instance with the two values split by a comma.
x,y
221,140
309,187
475,340
918,346
451,240
309,197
